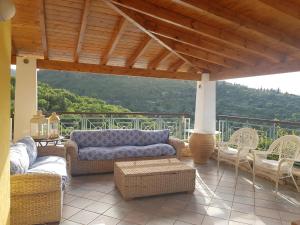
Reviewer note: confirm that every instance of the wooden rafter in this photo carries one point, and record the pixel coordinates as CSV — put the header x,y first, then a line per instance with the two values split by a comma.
x,y
200,54
83,25
158,59
286,7
262,69
229,38
114,70
117,33
241,22
199,42
43,29
139,51
132,17
210,67
176,65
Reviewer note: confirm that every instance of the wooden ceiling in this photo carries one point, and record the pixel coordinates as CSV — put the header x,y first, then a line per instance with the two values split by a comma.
x,y
177,39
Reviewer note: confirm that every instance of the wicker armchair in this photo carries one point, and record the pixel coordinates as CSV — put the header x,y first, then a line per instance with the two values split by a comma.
x,y
36,198
244,140
287,149
79,167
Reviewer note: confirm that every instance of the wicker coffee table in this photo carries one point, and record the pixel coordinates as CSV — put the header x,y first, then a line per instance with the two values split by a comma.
x,y
153,177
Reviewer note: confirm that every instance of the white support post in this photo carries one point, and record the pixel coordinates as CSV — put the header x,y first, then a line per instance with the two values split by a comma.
x,y
25,95
205,110
202,140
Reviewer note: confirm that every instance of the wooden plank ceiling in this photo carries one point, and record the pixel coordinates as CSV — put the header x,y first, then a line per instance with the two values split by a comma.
x,y
177,39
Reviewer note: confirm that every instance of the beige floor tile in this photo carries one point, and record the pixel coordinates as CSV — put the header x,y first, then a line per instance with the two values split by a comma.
x,y
286,216
111,199
127,223
266,204
80,202
260,220
117,212
218,212
242,208
242,217
191,217
271,213
221,204
243,200
68,198
198,208
94,195
137,217
68,222
235,223
69,211
178,222
161,221
223,196
84,217
208,220
174,203
98,207
104,220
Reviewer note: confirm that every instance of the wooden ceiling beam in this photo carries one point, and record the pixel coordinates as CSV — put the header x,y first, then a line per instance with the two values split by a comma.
x,y
290,8
200,54
199,42
81,33
210,67
241,22
176,65
114,70
42,17
197,26
133,17
262,69
139,51
117,33
159,58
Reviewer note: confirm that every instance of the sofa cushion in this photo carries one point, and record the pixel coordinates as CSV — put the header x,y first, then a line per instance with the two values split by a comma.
x,y
151,137
119,152
50,164
31,148
19,160
109,138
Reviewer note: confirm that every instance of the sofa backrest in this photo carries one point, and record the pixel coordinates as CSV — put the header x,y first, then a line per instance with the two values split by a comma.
x,y
114,137
19,160
30,147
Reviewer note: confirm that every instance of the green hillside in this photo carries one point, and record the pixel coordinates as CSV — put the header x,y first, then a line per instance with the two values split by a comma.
x,y
161,95
60,100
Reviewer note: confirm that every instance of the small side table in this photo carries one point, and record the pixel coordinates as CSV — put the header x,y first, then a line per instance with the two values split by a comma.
x,y
41,142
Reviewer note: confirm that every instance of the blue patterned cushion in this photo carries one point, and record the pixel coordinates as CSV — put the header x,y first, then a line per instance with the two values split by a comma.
x,y
150,137
120,152
50,164
19,160
31,148
109,138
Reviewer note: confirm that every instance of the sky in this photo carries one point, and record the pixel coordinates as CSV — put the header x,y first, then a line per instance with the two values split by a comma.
x,y
286,82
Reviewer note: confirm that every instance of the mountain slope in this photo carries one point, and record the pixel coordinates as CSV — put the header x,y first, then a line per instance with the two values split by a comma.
x,y
161,95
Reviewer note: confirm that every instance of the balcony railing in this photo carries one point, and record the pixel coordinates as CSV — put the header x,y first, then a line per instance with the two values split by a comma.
x,y
268,130
177,123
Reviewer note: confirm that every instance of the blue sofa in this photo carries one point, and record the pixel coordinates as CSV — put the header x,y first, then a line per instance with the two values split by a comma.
x,y
96,151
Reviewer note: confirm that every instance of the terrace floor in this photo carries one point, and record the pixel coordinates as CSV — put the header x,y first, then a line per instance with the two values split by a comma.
x,y
95,200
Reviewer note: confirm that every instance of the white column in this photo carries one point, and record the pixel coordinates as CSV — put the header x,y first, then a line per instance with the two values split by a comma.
x,y
205,110
25,95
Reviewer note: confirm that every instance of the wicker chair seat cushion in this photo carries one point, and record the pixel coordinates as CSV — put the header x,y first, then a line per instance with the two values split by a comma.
x,y
271,165
120,152
19,160
110,138
231,153
51,164
31,148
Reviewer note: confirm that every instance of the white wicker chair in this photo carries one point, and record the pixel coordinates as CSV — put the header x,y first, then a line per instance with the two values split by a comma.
x,y
235,151
287,148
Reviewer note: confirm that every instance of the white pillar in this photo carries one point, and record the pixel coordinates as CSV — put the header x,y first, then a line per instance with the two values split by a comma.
x,y
205,110
25,95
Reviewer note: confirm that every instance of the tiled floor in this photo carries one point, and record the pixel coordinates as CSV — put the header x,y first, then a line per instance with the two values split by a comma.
x,y
94,200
